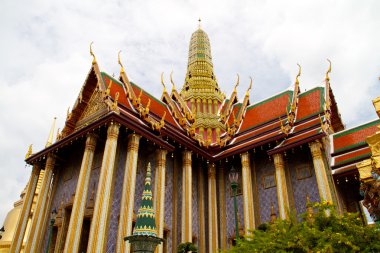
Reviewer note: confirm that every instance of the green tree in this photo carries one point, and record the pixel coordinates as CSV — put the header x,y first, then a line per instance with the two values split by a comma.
x,y
321,230
187,247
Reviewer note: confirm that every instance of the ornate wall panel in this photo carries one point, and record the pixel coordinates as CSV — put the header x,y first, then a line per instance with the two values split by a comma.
x,y
267,193
301,184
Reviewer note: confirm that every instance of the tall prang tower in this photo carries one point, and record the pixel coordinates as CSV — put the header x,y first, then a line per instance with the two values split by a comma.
x,y
200,90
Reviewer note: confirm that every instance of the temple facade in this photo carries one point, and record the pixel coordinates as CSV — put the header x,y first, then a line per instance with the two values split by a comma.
x,y
284,149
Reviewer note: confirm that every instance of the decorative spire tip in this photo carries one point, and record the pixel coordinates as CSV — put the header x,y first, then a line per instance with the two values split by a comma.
x,y
92,53
328,71
119,61
299,73
162,81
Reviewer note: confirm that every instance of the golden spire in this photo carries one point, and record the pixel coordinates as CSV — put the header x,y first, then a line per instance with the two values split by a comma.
x,y
29,153
51,135
162,82
119,61
199,23
200,71
92,53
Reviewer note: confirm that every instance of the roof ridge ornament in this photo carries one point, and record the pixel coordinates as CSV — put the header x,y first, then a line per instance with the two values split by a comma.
x,y
92,53
250,86
237,82
299,73
328,71
171,80
119,61
162,82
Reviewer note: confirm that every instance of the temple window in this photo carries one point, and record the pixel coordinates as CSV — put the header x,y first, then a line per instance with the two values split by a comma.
x,y
268,181
303,172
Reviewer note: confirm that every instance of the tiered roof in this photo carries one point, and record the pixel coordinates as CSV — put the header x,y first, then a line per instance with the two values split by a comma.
x,y
288,119
350,147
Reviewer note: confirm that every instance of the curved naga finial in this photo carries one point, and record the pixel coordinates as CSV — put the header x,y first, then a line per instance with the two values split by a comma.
x,y
162,81
92,53
250,87
171,80
328,71
299,73
237,82
119,61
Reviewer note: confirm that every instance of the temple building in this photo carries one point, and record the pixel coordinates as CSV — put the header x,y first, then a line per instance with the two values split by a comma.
x,y
285,149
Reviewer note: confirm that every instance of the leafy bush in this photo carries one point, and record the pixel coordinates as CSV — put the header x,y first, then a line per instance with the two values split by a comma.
x,y
320,231
187,247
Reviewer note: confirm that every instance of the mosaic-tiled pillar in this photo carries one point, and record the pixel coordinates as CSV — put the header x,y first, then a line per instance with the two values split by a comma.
x,y
22,223
201,202
222,208
48,208
100,220
187,232
320,172
212,210
79,205
175,220
249,214
37,223
159,195
128,194
282,190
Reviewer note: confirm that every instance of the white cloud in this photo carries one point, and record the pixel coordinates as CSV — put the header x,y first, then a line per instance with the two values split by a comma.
x,y
44,56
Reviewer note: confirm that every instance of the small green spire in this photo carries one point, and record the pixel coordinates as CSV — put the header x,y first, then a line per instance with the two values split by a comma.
x,y
146,217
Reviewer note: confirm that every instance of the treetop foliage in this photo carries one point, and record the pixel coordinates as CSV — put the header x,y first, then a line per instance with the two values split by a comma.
x,y
320,229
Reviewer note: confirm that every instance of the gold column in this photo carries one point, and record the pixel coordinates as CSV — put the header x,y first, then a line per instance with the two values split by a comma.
x,y
209,134
81,192
201,132
37,223
282,190
128,194
249,214
100,219
222,208
198,105
192,103
25,213
46,218
201,202
210,106
217,130
159,198
187,233
212,210
204,102
320,172
215,107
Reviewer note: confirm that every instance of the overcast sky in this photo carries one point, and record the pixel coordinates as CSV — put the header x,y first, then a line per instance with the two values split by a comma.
x,y
44,57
